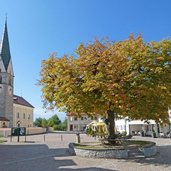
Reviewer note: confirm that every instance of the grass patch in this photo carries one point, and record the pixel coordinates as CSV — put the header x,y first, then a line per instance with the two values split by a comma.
x,y
140,143
1,141
98,146
123,144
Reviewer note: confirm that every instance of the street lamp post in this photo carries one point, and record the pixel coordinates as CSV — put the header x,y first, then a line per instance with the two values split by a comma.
x,y
18,125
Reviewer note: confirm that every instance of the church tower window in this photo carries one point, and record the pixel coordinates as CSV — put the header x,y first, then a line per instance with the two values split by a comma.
x,y
18,115
10,81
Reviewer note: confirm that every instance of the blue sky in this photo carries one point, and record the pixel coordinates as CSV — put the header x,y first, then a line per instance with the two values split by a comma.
x,y
39,27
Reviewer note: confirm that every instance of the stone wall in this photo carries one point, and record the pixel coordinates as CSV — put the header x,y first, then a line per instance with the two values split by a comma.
x,y
149,151
98,153
110,152
5,132
35,130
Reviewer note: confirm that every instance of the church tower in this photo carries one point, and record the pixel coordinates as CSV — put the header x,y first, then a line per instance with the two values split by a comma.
x,y
6,78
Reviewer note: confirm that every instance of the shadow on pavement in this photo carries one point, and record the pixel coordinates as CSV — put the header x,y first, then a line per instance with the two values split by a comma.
x,y
163,157
38,157
88,169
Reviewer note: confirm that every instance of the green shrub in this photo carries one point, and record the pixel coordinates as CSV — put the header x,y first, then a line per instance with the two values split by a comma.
x,y
124,133
55,127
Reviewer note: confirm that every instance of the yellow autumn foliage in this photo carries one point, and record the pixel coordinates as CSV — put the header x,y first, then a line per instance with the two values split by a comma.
x,y
130,78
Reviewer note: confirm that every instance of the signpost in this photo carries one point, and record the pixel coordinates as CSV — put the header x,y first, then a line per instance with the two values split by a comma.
x,y
18,131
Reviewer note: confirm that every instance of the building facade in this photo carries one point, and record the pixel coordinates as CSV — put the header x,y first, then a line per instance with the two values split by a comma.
x,y
8,102
78,124
22,112
131,127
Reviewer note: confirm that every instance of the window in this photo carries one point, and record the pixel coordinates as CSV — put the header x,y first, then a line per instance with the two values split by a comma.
x,y
18,115
29,116
10,81
24,116
4,125
75,118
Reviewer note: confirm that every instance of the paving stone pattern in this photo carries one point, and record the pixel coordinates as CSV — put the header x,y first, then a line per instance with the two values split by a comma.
x,y
52,155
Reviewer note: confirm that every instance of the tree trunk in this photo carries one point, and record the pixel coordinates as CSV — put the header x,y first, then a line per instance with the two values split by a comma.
x,y
111,124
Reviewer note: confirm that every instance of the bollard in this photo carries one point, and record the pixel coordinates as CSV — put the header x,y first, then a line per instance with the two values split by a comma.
x,y
44,138
61,138
77,138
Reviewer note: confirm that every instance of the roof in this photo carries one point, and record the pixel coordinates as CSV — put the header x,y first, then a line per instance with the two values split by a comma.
x,y
139,122
74,114
3,119
4,48
71,114
21,101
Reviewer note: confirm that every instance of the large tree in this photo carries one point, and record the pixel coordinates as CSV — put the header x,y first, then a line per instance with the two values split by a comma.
x,y
127,78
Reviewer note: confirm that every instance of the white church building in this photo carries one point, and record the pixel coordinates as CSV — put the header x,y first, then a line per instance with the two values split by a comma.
x,y
14,110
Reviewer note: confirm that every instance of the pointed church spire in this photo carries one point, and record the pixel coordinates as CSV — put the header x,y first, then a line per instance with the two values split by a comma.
x,y
4,48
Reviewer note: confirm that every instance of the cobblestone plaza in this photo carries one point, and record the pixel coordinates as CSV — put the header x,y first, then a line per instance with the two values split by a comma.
x,y
49,152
